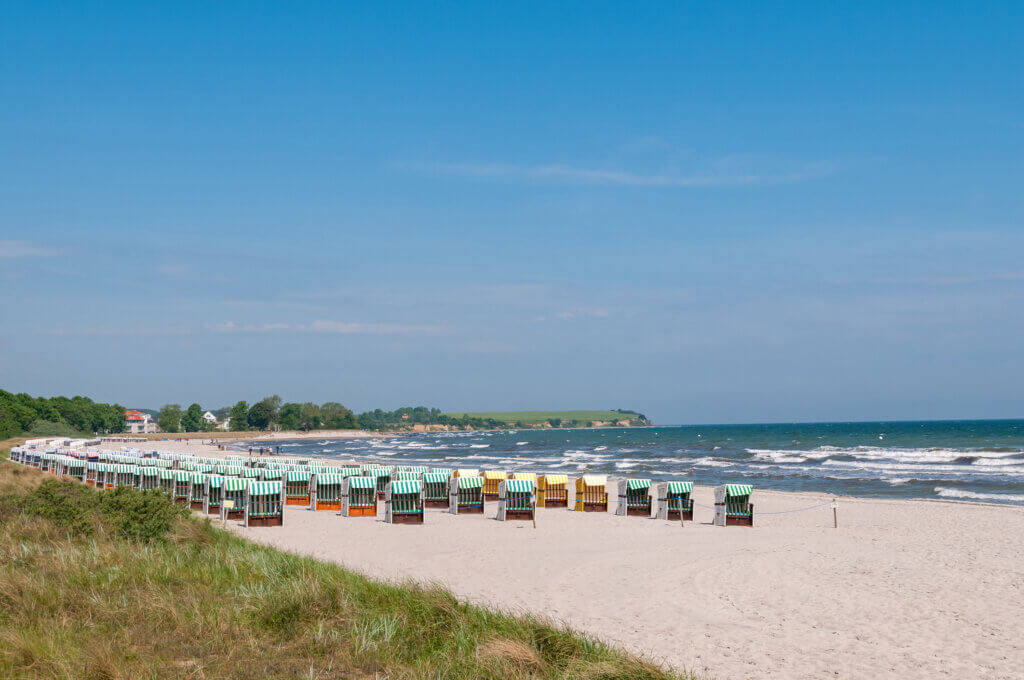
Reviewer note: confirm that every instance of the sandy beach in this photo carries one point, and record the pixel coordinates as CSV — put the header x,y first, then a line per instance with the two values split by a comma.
x,y
901,589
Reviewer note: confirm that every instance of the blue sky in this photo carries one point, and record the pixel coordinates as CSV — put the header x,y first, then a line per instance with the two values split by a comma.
x,y
710,212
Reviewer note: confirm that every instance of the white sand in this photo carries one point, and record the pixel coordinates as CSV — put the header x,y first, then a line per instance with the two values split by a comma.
x,y
911,589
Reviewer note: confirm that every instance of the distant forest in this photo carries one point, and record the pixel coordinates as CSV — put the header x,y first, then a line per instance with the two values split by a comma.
x,y
21,414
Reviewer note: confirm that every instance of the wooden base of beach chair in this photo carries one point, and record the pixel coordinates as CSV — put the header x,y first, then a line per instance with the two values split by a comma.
x,y
183,501
108,487
673,515
639,512
471,509
747,521
416,518
236,514
490,496
557,503
435,504
518,514
214,510
328,505
91,482
196,505
297,500
362,512
595,507
266,521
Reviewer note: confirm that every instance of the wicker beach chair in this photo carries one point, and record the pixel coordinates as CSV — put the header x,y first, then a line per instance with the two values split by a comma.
x,y
149,477
296,487
212,494
435,489
350,472
733,506
90,472
325,491
516,499
492,479
405,476
166,481
271,474
75,468
264,504
232,497
552,491
634,498
674,498
466,495
182,484
381,477
592,494
197,490
403,502
359,497
466,472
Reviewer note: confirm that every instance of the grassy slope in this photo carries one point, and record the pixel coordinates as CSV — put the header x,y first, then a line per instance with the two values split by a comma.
x,y
202,603
532,417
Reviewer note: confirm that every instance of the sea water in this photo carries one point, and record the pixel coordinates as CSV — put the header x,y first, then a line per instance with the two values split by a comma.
x,y
979,460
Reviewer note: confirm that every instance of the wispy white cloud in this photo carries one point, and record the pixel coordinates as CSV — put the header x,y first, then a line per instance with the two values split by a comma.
x,y
722,175
14,249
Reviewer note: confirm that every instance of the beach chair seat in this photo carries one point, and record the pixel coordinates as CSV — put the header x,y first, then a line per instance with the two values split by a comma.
x,y
435,489
634,498
591,494
733,506
492,479
232,498
673,499
264,504
403,502
552,491
516,500
359,497
466,495
325,491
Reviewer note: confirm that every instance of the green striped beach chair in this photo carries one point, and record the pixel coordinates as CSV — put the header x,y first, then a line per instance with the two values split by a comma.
x,y
403,502
232,498
264,504
270,474
296,487
435,489
466,495
325,491
516,499
182,483
148,478
197,490
405,476
251,473
166,481
211,494
418,469
359,497
90,472
381,478
350,472
674,498
76,468
634,498
733,506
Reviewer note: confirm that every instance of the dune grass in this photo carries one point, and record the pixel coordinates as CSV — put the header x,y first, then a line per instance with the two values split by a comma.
x,y
132,586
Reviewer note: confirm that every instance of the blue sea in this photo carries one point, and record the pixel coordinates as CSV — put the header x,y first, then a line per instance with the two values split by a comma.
x,y
980,460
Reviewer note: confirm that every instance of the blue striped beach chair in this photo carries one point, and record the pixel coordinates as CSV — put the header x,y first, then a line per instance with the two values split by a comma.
x,y
733,506
673,499
403,502
435,489
264,504
634,498
516,499
466,495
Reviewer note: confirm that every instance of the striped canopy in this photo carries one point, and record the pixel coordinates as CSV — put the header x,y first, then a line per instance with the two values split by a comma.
x,y
419,469
182,475
297,475
634,484
349,471
467,472
680,487
250,473
470,482
442,471
594,480
406,487
494,474
235,483
148,472
362,483
404,475
265,489
216,481
519,486
435,477
328,478
198,478
738,489
525,475
167,474
377,472
271,474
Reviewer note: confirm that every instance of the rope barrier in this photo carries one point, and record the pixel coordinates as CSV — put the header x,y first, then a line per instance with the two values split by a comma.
x,y
780,512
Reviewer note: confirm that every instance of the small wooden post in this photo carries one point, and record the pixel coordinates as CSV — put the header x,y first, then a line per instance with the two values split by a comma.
x,y
533,515
835,515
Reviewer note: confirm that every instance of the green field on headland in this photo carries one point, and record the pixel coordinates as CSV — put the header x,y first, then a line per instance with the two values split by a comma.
x,y
126,584
580,418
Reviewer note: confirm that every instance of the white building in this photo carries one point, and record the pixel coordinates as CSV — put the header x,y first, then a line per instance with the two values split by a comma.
x,y
137,422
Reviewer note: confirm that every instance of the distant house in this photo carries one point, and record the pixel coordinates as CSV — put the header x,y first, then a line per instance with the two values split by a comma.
x,y
137,422
209,417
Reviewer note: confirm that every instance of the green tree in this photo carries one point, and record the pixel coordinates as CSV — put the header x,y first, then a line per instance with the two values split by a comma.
x,y
335,416
239,417
260,415
192,421
309,416
169,418
288,417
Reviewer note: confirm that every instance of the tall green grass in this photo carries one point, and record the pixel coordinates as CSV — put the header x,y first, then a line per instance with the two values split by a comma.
x,y
128,585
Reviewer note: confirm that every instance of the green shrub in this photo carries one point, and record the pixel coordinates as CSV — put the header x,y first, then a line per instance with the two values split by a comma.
x,y
69,505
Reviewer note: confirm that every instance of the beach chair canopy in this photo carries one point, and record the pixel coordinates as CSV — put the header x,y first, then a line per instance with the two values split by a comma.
x,y
443,471
403,475
635,484
265,489
297,475
328,478
148,472
435,477
349,471
738,490
470,482
182,475
405,487
216,481
494,474
593,480
166,474
525,475
361,482
519,486
468,472
679,488
235,483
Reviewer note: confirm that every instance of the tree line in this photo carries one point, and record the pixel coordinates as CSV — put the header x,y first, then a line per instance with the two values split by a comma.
x,y
21,414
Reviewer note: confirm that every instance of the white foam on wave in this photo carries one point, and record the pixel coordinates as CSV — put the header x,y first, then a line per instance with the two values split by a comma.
x,y
522,443
600,448
625,466
960,470
947,492
897,454
479,446
708,462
